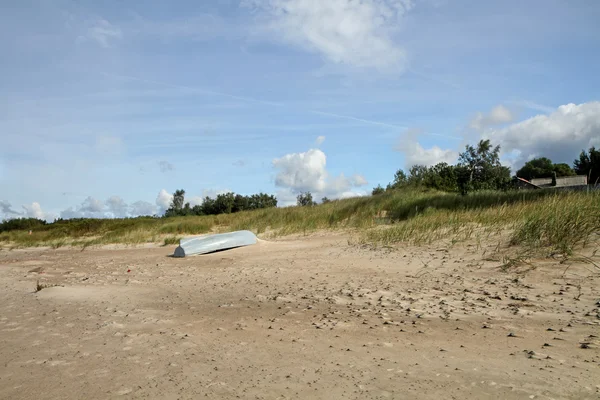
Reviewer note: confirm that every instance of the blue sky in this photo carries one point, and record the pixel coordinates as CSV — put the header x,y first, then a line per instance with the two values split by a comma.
x,y
107,107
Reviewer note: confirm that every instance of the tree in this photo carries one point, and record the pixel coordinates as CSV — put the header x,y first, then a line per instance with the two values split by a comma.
x,y
224,203
537,168
399,179
305,199
176,207
416,174
208,206
178,199
588,164
543,167
240,203
563,169
325,200
441,176
378,190
479,168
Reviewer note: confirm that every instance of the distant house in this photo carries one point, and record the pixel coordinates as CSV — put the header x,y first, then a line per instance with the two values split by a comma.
x,y
566,182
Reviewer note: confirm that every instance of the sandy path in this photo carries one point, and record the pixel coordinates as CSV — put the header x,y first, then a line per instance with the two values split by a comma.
x,y
310,318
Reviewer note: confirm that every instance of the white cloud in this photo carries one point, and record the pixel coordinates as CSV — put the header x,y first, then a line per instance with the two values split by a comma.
x,y
142,208
92,205
358,180
307,172
497,116
302,171
103,33
320,140
559,136
117,207
415,154
285,198
6,209
163,200
34,210
113,207
89,208
195,201
346,32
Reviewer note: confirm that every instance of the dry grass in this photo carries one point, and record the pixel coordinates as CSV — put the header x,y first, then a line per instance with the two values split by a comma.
x,y
558,221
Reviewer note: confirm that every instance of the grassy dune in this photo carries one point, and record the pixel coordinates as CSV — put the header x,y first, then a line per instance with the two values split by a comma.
x,y
560,221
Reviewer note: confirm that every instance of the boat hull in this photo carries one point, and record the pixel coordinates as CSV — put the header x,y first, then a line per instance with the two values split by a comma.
x,y
196,245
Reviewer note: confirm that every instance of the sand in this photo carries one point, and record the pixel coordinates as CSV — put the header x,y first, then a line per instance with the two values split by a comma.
x,y
309,317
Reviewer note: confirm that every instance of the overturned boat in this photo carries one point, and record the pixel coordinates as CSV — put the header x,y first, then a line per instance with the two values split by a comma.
x,y
208,244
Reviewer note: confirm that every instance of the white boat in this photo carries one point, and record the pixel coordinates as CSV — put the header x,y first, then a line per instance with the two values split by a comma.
x,y
207,244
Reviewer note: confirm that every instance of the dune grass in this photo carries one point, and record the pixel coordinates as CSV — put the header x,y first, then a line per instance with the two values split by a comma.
x,y
540,219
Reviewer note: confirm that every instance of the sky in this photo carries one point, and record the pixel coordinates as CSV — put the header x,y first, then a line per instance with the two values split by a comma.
x,y
106,108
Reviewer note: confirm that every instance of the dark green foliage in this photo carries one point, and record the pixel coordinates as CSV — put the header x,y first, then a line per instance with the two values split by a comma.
x,y
588,164
178,197
21,224
224,203
378,190
563,169
305,200
325,200
480,168
441,176
400,179
240,203
416,175
543,168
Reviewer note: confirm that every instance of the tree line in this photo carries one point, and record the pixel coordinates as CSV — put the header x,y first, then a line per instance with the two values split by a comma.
x,y
479,168
225,203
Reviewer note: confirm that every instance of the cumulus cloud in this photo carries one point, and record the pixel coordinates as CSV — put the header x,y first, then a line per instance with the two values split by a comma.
x,y
302,171
194,201
142,208
415,154
92,205
113,207
165,166
34,210
358,180
307,172
163,201
346,32
497,116
560,135
6,209
117,207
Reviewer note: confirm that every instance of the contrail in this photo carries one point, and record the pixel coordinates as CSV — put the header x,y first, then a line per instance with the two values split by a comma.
x,y
231,96
366,121
253,100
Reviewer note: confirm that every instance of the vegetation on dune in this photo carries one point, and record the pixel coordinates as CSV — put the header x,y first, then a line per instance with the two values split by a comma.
x,y
559,221
429,203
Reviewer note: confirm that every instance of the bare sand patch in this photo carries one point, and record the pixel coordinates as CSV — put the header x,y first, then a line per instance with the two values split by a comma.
x,y
302,317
